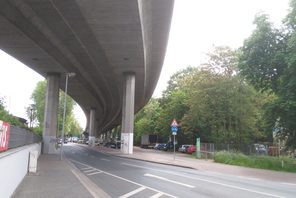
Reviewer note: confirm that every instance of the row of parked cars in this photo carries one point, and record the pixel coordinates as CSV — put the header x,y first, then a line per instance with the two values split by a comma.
x,y
186,148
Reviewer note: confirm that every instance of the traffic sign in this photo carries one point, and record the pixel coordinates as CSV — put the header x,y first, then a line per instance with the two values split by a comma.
x,y
174,129
174,123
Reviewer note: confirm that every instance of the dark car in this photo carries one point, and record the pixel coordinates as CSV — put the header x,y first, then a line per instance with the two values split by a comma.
x,y
160,146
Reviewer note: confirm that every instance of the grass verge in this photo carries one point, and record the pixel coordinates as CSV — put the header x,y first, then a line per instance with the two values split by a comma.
x,y
257,161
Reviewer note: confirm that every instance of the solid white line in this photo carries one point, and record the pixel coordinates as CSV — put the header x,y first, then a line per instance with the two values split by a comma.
x,y
172,181
133,192
94,173
157,195
289,184
153,189
249,178
209,181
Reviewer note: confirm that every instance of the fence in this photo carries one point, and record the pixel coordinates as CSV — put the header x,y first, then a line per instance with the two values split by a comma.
x,y
207,150
20,137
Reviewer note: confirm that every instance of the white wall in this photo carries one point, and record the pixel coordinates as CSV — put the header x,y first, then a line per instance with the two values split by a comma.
x,y
14,167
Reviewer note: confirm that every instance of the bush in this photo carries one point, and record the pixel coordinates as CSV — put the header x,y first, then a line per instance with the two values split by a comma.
x,y
254,161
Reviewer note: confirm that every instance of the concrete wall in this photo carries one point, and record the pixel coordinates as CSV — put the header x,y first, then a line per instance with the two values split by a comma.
x,y
14,166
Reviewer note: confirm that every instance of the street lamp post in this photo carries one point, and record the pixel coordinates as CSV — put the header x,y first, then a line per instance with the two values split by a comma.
x,y
31,117
64,113
32,108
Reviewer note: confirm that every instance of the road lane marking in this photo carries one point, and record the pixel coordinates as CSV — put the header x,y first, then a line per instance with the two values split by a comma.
x,y
288,184
235,187
157,195
249,178
91,187
110,174
105,159
165,179
88,171
133,192
86,168
95,173
206,180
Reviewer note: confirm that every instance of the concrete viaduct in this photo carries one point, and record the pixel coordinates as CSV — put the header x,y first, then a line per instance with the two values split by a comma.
x,y
116,49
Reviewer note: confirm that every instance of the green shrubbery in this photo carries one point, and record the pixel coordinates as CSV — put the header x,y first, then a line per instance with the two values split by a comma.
x,y
257,161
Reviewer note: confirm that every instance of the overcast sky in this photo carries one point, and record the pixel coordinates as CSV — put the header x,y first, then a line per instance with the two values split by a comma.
x,y
197,26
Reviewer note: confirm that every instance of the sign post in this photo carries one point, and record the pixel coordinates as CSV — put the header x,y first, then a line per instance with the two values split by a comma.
x,y
198,148
174,129
4,135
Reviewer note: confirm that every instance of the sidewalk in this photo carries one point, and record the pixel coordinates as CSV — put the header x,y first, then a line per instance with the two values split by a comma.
x,y
54,178
185,160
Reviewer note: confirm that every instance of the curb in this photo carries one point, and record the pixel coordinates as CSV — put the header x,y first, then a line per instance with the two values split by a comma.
x,y
144,160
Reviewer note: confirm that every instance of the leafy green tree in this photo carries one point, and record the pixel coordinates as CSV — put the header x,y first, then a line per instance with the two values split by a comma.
x,y
6,117
268,61
146,119
36,111
262,59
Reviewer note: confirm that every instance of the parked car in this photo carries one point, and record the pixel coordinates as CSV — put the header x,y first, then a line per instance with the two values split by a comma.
x,y
260,149
191,149
183,148
160,146
169,146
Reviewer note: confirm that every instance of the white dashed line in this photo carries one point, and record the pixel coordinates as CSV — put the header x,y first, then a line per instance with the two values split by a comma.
x,y
172,181
157,195
133,192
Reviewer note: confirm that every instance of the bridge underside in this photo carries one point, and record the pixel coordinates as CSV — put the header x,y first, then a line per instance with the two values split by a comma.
x,y
101,41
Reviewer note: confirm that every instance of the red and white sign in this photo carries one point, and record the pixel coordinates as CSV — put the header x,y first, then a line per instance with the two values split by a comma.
x,y
4,135
174,123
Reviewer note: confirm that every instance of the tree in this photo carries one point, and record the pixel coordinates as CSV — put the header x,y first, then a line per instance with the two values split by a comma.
x,y
262,58
6,117
268,62
146,119
37,110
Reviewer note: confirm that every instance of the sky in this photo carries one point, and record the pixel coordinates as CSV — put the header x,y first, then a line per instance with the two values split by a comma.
x,y
197,26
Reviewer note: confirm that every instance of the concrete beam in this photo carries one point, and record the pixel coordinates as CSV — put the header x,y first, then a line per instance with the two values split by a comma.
x,y
127,134
51,114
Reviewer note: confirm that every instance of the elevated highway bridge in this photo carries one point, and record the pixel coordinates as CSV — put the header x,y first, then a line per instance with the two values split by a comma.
x,y
116,49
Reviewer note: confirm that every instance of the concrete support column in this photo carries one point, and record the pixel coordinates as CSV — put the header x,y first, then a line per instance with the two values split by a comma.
x,y
51,114
127,133
92,130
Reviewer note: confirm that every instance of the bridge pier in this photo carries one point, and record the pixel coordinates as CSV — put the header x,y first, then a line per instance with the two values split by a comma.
x,y
51,114
92,129
127,133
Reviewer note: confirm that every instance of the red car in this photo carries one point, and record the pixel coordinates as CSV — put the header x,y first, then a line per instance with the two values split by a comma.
x,y
191,149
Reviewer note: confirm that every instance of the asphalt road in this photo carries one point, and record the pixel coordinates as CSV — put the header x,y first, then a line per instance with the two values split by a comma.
x,y
122,177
